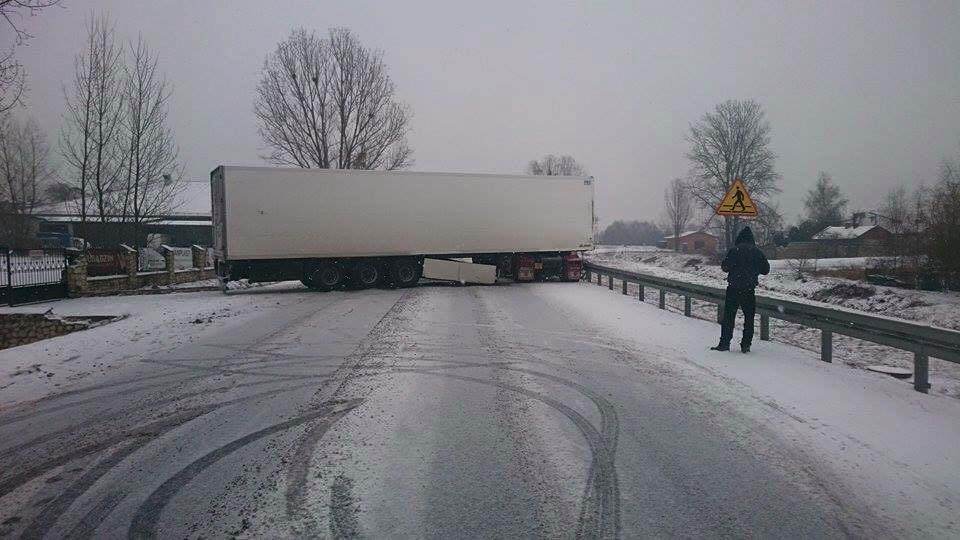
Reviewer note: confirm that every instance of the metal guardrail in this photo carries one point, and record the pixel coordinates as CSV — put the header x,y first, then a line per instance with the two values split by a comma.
x,y
922,340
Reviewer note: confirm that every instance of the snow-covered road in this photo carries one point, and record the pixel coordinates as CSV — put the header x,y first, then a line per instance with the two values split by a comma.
x,y
554,410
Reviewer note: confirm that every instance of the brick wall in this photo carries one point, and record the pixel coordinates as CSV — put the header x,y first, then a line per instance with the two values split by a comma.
x,y
79,283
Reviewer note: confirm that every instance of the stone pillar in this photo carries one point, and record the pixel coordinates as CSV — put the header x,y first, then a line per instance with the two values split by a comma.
x,y
167,253
132,262
76,273
199,257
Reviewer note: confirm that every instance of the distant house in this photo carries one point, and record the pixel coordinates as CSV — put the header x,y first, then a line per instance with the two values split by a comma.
x,y
863,232
187,222
859,241
692,242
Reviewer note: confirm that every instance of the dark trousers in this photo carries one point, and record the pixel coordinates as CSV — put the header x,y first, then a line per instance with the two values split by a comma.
x,y
745,300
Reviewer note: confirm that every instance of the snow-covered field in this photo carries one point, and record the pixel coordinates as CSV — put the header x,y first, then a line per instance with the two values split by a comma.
x,y
151,323
934,308
842,263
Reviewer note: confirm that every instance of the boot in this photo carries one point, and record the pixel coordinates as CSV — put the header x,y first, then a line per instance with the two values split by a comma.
x,y
721,347
744,348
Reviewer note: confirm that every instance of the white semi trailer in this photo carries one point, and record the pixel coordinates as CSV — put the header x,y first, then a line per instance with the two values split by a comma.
x,y
352,228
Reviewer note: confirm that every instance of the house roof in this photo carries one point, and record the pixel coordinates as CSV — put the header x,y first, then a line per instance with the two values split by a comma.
x,y
688,233
844,233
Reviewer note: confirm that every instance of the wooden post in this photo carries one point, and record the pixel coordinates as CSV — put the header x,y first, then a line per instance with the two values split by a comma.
x,y
765,327
686,305
640,294
663,299
624,286
610,282
826,345
921,372
599,279
589,276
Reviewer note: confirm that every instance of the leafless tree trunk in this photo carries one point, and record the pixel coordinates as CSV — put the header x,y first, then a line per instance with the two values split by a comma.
x,y
678,205
90,135
553,165
728,144
13,78
328,102
24,173
154,174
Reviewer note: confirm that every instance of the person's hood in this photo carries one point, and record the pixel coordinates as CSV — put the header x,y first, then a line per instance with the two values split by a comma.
x,y
745,236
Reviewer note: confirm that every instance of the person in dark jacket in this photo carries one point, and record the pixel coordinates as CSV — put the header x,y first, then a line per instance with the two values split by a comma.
x,y
743,263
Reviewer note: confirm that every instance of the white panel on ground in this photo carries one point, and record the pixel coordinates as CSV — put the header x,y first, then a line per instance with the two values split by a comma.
x,y
463,272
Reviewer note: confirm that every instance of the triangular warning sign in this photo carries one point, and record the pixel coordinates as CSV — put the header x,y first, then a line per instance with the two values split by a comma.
x,y
737,202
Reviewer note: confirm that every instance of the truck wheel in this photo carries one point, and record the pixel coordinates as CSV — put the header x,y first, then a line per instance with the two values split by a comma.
x,y
367,274
405,272
328,277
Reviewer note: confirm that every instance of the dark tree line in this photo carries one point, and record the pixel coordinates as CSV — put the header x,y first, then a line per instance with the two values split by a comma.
x,y
631,233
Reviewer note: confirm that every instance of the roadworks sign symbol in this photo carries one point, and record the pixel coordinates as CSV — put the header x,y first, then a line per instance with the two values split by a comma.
x,y
737,202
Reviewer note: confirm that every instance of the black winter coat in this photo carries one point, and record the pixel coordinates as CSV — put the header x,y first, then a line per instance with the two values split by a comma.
x,y
744,262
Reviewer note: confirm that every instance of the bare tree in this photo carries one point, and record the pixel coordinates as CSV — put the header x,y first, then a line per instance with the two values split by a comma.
x,y
12,74
768,224
733,142
943,224
154,174
895,210
553,165
89,140
328,102
679,207
24,174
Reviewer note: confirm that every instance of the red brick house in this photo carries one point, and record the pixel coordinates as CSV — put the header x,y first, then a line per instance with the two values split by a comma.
x,y
693,242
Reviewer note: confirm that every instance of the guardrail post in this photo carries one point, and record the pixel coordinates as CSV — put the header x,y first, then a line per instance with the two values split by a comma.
x,y
589,275
663,299
599,279
764,327
610,282
624,286
921,372
826,345
640,294
686,305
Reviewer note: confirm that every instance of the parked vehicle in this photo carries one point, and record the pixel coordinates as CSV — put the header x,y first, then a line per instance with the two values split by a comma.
x,y
333,228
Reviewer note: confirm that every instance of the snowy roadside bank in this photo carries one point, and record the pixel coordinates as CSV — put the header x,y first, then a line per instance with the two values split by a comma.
x,y
150,324
940,309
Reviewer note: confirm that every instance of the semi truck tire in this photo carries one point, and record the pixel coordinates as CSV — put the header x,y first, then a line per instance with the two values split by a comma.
x,y
328,277
405,272
367,274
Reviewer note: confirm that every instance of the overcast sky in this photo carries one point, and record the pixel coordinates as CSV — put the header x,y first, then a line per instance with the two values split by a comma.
x,y
868,91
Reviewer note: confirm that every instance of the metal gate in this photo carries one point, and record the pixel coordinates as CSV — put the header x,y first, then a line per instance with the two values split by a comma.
x,y
32,275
